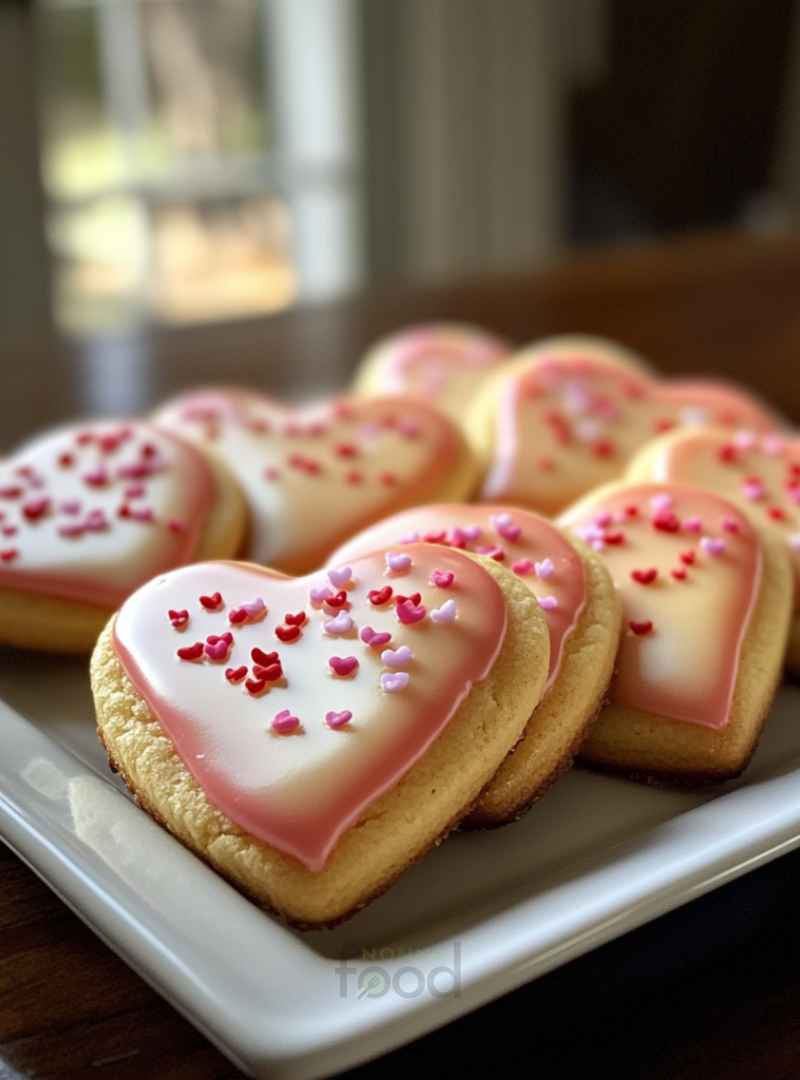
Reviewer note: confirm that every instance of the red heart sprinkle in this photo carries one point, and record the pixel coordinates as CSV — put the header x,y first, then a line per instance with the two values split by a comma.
x,y
295,620
238,615
435,537
212,639
380,596
213,602
603,448
65,460
9,554
255,686
631,511
191,652
688,557
287,633
11,491
645,577
414,599
263,658
35,508
337,601
728,454
346,450
679,574
666,521
235,675
269,674
641,628
614,538
776,513
179,619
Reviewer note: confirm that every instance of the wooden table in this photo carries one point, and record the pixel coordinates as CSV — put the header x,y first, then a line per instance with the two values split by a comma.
x,y
712,990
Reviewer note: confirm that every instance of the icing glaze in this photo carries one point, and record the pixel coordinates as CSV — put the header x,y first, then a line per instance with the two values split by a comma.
x,y
567,423
761,473
313,475
88,512
524,542
299,786
442,362
688,568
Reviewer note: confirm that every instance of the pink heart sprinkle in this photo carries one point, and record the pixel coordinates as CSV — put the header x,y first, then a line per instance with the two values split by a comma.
x,y
443,579
319,594
343,665
693,524
340,577
471,532
217,650
96,521
500,521
283,723
373,638
337,720
548,603
603,519
546,568
71,507
511,533
753,490
391,682
446,613
730,525
712,545
398,562
409,613
342,624
409,538
71,532
395,658
256,609
522,566
744,439
662,501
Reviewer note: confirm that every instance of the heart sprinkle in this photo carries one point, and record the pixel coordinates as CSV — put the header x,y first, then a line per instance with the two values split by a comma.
x,y
342,624
446,613
645,577
268,674
255,686
410,613
284,723
442,579
9,555
191,652
693,525
340,577
395,658
319,595
337,601
297,619
251,611
235,675
287,633
548,603
338,720
373,638
398,562
343,666
522,566
641,628
213,602
179,619
687,557
258,656
378,597
217,646
394,681
712,545
544,569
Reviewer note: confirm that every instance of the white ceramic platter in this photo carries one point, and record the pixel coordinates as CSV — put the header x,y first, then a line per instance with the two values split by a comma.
x,y
476,918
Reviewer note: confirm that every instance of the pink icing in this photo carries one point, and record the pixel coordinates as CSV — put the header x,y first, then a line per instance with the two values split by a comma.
x,y
538,543
567,423
424,358
77,538
687,604
300,794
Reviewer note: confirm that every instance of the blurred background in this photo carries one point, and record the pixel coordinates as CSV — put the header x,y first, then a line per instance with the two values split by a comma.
x,y
176,162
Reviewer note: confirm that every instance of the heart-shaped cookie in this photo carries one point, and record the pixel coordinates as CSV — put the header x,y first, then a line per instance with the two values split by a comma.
x,y
582,612
300,750
559,421
761,473
705,623
313,475
444,363
88,513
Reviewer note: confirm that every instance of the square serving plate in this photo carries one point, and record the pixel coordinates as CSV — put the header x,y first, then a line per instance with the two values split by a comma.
x,y
481,915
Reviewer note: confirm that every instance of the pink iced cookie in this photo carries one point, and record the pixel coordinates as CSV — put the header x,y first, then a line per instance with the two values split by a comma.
x,y
579,604
444,363
91,511
568,416
705,612
313,475
310,768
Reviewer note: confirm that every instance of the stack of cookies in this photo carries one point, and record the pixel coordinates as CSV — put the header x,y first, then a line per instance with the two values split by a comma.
x,y
478,567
